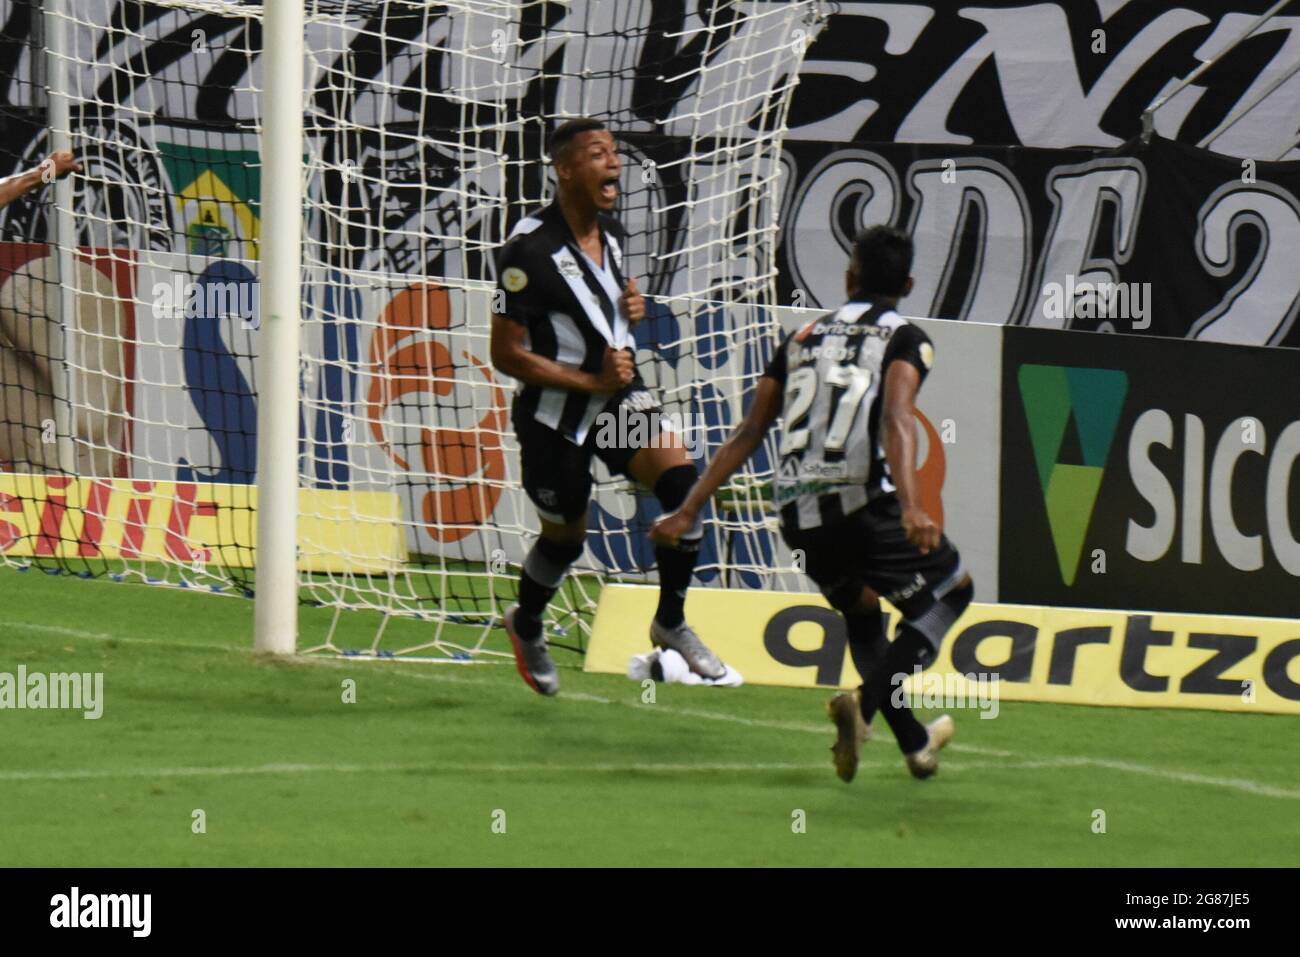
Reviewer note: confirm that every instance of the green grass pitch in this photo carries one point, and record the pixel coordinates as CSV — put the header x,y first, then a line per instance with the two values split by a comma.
x,y
419,769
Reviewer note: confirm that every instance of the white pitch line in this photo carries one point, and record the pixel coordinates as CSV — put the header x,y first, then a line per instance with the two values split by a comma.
x,y
1190,777
1244,785
99,636
582,696
976,749
803,727
55,630
83,774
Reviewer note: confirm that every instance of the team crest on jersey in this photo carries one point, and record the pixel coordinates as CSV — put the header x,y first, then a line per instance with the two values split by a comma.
x,y
514,279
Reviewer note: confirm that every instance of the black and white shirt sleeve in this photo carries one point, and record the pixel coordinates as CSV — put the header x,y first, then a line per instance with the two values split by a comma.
x,y
909,344
518,278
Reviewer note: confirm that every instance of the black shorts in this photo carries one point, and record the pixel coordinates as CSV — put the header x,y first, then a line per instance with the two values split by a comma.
x,y
557,473
870,548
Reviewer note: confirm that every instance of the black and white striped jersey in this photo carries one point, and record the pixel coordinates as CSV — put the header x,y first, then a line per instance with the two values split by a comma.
x,y
569,305
832,460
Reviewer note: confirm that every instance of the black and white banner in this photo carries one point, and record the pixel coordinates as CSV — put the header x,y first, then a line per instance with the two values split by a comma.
x,y
1050,74
1160,238
1026,188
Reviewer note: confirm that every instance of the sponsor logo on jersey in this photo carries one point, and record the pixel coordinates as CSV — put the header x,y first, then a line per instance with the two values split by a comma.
x,y
837,328
825,470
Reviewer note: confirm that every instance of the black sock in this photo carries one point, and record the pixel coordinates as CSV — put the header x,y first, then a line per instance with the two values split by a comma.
x,y
544,570
909,649
867,647
675,568
533,599
675,564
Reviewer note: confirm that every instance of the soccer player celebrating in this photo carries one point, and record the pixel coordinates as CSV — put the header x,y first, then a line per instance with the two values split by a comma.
x,y
565,333
845,386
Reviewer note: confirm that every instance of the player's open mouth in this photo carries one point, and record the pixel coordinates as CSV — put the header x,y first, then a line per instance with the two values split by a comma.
x,y
610,189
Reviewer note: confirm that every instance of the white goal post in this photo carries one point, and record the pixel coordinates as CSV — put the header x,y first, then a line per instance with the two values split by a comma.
x,y
276,609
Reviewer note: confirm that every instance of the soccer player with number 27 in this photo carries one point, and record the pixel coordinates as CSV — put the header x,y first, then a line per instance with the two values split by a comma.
x,y
845,387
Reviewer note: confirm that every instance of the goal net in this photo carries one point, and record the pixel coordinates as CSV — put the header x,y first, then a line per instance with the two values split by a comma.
x,y
129,292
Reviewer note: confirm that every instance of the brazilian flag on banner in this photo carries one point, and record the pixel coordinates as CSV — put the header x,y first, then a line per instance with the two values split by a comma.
x,y
216,193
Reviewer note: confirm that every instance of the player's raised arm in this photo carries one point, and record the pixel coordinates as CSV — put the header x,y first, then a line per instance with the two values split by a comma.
x,y
898,427
740,445
55,166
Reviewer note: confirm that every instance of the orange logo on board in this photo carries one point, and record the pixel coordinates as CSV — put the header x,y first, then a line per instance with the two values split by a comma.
x,y
466,466
930,473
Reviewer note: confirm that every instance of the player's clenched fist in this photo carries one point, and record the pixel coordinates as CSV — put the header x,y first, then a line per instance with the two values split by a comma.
x,y
669,529
632,303
57,165
921,529
615,372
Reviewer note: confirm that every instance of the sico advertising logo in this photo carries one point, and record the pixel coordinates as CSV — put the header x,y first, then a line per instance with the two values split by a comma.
x,y
1147,474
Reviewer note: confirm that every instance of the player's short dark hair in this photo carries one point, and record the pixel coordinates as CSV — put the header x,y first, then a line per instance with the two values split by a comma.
x,y
883,256
564,134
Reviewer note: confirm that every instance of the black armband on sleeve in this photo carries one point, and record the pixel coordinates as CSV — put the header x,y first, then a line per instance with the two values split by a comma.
x,y
518,282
